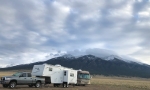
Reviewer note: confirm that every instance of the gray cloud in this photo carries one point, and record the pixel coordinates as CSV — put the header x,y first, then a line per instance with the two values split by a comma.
x,y
32,30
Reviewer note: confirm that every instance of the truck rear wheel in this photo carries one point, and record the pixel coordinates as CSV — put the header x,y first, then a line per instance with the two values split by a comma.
x,y
12,84
30,85
5,85
38,84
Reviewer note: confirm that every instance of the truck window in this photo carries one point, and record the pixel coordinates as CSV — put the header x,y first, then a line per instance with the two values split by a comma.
x,y
29,74
17,74
23,75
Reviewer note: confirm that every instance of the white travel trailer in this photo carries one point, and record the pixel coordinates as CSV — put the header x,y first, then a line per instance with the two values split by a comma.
x,y
56,74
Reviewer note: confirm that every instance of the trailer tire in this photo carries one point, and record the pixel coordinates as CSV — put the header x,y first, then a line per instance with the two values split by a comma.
x,y
58,85
54,85
65,85
38,84
83,85
12,84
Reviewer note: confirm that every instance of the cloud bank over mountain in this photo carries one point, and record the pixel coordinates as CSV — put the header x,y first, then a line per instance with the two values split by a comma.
x,y
35,30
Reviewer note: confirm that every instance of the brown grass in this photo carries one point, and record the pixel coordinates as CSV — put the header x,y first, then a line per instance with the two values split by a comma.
x,y
134,83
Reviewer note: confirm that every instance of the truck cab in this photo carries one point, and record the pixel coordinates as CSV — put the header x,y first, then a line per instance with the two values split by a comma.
x,y
21,78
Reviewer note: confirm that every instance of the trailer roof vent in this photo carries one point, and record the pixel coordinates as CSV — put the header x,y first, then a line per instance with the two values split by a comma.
x,y
80,70
58,65
44,63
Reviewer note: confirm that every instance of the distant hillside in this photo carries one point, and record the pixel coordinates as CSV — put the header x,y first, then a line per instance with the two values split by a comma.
x,y
95,65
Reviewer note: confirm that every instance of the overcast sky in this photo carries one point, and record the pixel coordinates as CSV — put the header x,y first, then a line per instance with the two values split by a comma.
x,y
36,30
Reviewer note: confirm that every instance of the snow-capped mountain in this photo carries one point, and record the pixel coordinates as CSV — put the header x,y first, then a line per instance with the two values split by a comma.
x,y
95,65
100,53
68,56
107,58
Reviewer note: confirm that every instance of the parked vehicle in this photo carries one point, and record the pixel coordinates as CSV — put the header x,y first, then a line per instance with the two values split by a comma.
x,y
56,74
47,74
21,78
83,78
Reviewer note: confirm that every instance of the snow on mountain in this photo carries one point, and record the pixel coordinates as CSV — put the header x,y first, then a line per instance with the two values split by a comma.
x,y
68,56
10,65
111,57
89,57
100,53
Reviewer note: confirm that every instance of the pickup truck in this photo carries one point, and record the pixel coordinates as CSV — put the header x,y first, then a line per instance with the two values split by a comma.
x,y
21,78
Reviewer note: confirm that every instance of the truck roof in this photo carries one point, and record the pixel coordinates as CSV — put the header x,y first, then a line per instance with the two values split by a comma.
x,y
23,72
87,72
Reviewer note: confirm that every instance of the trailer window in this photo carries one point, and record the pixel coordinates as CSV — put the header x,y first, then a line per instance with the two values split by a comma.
x,y
50,69
64,73
71,74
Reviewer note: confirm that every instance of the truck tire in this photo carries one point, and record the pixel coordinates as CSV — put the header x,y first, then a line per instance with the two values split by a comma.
x,y
12,84
5,85
38,84
30,85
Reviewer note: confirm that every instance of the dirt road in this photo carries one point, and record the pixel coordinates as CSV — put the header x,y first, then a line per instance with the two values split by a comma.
x,y
50,87
89,87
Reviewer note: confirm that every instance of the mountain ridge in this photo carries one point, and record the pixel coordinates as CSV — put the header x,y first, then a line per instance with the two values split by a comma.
x,y
95,65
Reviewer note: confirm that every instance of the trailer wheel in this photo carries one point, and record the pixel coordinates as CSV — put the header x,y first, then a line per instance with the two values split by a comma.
x,y
58,85
12,84
83,84
65,85
5,85
54,85
38,84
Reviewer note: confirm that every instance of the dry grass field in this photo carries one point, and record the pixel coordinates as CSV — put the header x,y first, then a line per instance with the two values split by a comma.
x,y
97,83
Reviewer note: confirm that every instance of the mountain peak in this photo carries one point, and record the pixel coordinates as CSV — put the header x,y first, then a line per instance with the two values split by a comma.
x,y
112,57
68,56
